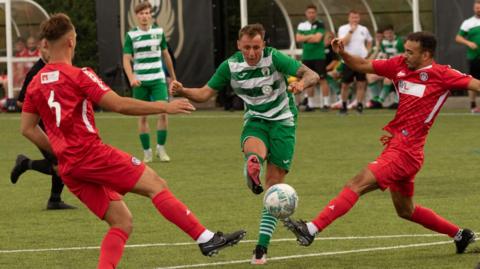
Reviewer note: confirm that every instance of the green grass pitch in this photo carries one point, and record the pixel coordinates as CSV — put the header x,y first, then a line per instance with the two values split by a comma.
x,y
206,174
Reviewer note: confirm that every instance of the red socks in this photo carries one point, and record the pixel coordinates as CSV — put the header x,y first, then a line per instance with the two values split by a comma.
x,y
112,248
430,220
177,213
336,208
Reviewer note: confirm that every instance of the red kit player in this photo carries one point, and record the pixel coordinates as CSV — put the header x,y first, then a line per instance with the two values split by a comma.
x,y
62,96
423,86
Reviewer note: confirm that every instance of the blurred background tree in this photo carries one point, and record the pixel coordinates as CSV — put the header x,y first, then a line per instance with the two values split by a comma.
x,y
83,17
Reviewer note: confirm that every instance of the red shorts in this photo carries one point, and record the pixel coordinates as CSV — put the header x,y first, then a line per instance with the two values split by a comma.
x,y
106,175
397,166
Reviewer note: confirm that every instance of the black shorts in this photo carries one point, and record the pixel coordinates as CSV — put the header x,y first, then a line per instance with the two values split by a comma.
x,y
474,66
319,66
348,75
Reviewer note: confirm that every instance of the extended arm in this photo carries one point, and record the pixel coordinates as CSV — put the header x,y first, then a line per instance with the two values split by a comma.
x,y
198,95
129,106
354,62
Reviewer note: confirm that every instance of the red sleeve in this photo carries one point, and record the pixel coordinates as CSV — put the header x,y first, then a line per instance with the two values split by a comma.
x,y
92,85
28,105
454,79
387,67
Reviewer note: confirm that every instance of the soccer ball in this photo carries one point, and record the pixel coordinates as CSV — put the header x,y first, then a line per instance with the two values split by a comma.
x,y
280,200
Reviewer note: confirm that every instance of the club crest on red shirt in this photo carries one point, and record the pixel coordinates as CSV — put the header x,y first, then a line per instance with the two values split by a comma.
x,y
423,76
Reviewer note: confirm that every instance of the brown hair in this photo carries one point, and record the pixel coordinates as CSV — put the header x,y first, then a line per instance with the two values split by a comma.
x,y
353,11
252,30
427,41
311,6
57,26
142,5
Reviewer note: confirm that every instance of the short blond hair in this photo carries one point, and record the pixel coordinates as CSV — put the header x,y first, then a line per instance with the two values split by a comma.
x,y
252,30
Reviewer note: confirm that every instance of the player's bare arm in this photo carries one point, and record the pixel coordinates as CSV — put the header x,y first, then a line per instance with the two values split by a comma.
x,y
315,38
355,62
346,39
169,63
30,129
309,78
198,95
462,40
130,106
127,66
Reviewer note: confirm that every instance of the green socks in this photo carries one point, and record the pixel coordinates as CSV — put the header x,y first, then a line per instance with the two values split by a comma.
x,y
267,226
161,137
145,139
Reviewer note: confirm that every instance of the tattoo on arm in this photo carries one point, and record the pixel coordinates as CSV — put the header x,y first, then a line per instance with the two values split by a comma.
x,y
308,76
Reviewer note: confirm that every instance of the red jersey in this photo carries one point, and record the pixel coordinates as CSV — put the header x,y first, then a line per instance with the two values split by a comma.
x,y
62,95
422,94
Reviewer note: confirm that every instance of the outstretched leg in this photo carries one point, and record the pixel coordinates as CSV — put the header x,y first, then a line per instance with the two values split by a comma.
x,y
362,183
426,217
154,187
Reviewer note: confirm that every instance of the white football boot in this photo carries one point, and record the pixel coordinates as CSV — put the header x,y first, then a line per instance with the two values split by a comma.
x,y
161,153
147,156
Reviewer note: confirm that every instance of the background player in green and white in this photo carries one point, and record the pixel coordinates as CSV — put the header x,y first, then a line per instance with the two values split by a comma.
x,y
258,74
390,46
146,46
469,35
311,34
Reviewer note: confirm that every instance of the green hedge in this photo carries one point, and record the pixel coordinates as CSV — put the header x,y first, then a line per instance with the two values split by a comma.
x,y
83,16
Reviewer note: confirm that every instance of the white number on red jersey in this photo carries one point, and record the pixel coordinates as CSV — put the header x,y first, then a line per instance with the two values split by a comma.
x,y
56,106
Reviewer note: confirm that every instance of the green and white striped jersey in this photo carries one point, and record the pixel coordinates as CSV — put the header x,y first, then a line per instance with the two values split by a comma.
x,y
312,51
262,87
146,48
392,48
470,29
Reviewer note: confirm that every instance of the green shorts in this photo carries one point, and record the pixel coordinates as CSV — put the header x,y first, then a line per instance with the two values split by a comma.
x,y
278,137
151,91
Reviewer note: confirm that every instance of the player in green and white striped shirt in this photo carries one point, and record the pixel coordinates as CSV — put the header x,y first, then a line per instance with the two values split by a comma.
x,y
146,47
258,74
391,46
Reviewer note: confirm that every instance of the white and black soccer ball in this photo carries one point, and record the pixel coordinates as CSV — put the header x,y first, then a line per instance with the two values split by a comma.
x,y
280,200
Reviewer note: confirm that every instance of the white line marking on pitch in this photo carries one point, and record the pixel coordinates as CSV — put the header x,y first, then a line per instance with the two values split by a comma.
x,y
318,254
243,241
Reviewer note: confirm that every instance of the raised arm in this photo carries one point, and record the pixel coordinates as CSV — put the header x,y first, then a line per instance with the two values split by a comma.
x,y
356,63
129,106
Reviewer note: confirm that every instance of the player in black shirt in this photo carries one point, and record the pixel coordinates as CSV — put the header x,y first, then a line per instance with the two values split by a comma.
x,y
47,165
